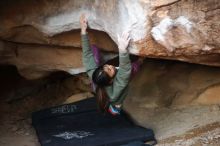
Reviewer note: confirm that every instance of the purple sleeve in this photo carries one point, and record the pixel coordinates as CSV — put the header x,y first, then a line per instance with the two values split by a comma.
x,y
96,54
98,60
135,67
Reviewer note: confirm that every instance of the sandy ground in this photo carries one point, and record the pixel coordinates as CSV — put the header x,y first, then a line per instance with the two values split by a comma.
x,y
208,135
16,130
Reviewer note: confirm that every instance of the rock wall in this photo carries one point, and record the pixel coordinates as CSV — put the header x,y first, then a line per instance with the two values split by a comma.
x,y
172,98
170,84
169,29
188,29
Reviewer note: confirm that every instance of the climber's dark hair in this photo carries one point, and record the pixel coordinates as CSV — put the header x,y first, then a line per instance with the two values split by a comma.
x,y
101,79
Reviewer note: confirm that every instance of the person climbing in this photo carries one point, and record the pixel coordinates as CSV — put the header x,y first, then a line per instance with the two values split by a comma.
x,y
111,83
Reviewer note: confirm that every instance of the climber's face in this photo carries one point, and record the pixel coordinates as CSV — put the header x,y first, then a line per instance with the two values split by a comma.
x,y
110,70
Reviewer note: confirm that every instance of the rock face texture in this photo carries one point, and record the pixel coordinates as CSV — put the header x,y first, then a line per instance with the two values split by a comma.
x,y
172,97
41,36
171,84
189,30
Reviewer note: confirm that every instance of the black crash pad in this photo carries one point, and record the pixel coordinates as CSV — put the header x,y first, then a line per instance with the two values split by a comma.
x,y
80,124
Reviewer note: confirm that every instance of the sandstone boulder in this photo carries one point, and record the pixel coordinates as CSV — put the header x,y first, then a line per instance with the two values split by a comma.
x,y
169,29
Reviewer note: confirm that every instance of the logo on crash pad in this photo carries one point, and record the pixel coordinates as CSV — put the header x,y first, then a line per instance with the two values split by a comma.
x,y
64,109
74,134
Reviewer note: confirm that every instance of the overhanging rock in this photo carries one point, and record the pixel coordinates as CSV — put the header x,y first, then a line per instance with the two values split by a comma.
x,y
170,29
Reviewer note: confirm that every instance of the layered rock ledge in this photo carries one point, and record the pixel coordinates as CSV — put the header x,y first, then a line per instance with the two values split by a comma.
x,y
41,36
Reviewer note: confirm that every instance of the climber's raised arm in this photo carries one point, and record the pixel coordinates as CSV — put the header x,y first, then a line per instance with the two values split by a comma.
x,y
87,56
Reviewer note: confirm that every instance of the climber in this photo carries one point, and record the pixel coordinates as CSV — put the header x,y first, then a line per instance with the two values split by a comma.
x,y
111,83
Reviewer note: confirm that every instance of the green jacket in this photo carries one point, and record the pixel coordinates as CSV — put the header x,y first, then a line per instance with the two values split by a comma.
x,y
118,90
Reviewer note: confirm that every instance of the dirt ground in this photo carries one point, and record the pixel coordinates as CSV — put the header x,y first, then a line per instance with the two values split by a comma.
x,y
208,135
